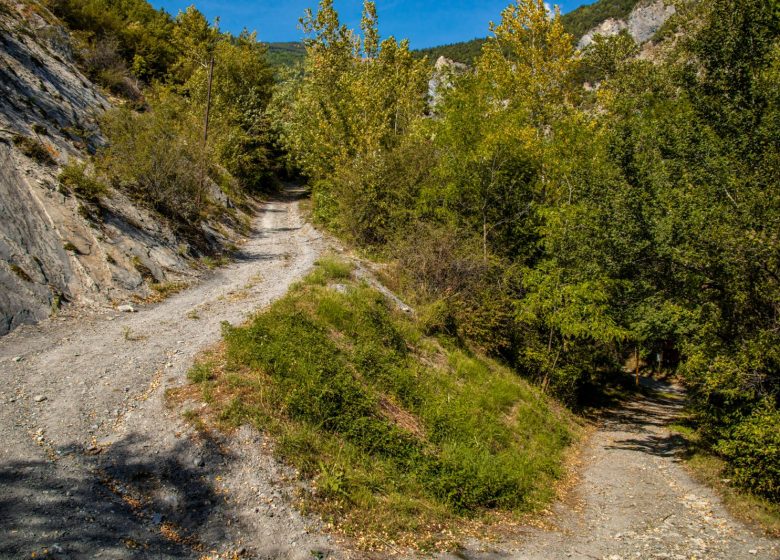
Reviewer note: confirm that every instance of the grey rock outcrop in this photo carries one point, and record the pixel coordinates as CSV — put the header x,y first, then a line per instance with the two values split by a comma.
x,y
642,23
55,248
443,73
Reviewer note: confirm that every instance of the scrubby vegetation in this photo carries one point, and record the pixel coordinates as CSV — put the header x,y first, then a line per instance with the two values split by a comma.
x,y
193,118
34,149
401,433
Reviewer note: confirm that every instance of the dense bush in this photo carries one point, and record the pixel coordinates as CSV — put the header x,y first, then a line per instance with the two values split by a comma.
x,y
752,450
157,158
129,35
77,178
159,148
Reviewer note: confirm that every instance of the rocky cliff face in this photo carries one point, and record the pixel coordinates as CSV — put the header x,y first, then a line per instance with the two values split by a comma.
x,y
55,248
443,72
642,23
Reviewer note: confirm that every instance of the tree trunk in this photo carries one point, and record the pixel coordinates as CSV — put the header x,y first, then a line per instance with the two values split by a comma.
x,y
205,133
636,359
208,102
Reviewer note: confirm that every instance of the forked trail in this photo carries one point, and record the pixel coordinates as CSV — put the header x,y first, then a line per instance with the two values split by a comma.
x,y
94,465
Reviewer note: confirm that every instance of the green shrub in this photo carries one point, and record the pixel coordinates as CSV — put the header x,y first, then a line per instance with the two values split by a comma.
x,y
75,177
200,373
752,451
33,149
330,269
157,159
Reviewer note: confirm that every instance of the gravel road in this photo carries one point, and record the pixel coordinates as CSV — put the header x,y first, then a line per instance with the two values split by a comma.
x,y
636,501
93,464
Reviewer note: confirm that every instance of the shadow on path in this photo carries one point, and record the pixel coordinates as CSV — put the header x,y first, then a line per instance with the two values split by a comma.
x,y
131,502
648,419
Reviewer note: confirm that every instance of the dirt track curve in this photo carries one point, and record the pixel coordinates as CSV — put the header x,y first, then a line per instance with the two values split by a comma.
x,y
93,464
636,501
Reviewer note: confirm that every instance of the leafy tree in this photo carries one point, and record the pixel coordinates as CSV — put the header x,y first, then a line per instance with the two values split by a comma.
x,y
606,56
357,101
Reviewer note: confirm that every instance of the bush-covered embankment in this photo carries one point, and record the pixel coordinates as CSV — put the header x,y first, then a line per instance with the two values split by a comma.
x,y
404,436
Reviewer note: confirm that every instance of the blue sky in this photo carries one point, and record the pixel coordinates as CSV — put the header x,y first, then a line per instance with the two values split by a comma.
x,y
425,23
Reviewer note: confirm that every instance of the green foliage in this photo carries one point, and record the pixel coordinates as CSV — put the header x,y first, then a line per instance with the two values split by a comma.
x,y
564,229
343,121
339,379
240,130
120,37
752,451
76,178
127,46
156,156
605,56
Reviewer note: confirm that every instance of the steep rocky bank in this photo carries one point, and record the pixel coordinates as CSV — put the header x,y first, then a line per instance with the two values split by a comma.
x,y
55,248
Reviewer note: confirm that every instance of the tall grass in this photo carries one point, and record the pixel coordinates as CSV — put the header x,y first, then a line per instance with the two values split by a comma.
x,y
401,435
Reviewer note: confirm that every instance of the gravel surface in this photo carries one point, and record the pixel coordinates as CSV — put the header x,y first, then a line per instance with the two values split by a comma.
x,y
92,462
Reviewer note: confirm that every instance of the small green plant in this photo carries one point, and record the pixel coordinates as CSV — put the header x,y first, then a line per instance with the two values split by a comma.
x,y
75,178
214,262
164,290
16,269
56,301
129,335
33,149
200,372
193,315
40,129
330,269
68,246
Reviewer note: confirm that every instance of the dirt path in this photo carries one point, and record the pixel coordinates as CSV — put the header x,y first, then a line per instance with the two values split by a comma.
x,y
93,464
636,501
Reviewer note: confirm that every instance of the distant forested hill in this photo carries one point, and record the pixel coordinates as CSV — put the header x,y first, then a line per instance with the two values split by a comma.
x,y
464,52
285,54
583,19
577,22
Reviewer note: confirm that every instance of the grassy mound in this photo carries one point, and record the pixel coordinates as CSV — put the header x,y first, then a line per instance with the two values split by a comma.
x,y
402,436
